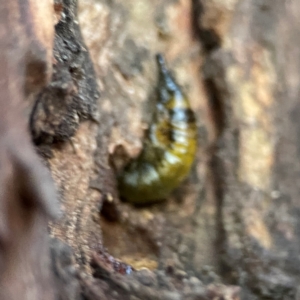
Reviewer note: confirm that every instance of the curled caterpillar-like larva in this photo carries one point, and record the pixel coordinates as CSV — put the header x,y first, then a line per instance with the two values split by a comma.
x,y
169,147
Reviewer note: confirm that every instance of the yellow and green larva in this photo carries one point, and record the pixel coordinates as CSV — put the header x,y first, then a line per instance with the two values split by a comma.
x,y
169,147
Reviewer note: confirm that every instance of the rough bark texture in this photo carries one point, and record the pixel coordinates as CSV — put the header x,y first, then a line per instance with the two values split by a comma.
x,y
235,219
256,161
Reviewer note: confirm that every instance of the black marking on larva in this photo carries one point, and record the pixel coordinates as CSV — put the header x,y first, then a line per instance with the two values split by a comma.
x,y
184,115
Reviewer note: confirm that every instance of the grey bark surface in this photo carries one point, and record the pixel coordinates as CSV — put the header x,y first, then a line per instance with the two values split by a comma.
x,y
256,161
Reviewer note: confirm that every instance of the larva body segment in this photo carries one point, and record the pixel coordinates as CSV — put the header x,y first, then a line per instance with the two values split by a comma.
x,y
169,147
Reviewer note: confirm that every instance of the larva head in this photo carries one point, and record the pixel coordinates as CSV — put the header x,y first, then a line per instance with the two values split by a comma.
x,y
167,86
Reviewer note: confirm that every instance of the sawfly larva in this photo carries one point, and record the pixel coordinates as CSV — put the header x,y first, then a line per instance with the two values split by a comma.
x,y
169,147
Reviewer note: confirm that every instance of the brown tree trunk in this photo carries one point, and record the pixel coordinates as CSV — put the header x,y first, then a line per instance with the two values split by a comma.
x,y
230,230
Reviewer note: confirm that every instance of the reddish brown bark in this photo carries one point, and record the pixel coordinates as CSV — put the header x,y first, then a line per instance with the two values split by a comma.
x,y
27,194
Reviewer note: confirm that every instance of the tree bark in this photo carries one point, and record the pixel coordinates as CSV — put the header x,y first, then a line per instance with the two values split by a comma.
x,y
230,230
27,194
